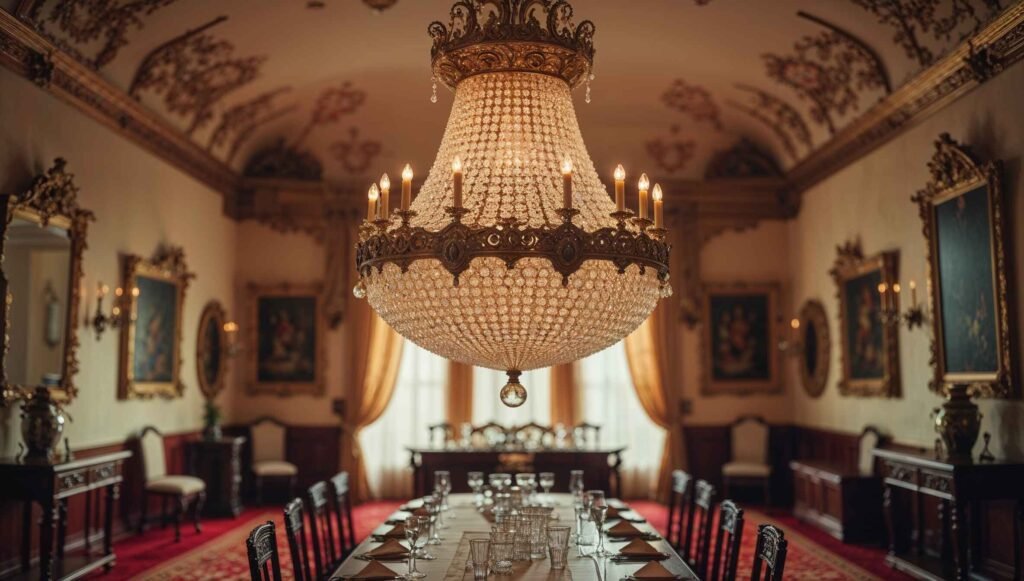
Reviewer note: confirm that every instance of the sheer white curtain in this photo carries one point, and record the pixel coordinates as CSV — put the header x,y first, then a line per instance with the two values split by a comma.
x,y
487,406
418,402
609,400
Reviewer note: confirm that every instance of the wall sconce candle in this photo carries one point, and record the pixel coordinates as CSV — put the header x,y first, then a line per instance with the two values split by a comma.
x,y
232,348
100,321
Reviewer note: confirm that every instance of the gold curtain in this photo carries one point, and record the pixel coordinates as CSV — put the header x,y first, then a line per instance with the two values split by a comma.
x,y
565,395
459,395
376,350
648,350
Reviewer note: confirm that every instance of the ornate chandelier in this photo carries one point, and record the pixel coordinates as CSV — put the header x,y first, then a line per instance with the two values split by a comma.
x,y
513,256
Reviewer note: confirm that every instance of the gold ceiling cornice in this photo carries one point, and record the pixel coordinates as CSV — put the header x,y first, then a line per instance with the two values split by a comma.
x,y
26,52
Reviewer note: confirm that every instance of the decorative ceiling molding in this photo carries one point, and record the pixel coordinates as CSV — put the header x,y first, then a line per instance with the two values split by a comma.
x,y
780,117
239,118
283,161
25,52
332,104
245,133
194,72
88,21
355,155
913,20
987,53
672,153
831,70
694,101
744,160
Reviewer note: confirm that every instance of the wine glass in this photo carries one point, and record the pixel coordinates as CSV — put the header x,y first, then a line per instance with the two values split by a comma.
x,y
576,484
433,507
412,534
598,513
524,481
476,483
443,485
547,482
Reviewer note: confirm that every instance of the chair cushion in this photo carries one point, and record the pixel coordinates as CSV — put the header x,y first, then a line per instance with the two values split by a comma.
x,y
274,468
176,485
746,469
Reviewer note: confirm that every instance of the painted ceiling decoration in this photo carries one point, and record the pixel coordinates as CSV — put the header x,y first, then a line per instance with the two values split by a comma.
x,y
831,70
694,101
355,154
784,121
239,121
283,161
87,23
744,160
671,153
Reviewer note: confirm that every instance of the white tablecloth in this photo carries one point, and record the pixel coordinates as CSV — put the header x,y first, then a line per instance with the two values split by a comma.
x,y
464,522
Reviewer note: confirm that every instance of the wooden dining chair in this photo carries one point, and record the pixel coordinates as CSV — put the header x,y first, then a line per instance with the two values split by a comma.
x,y
325,552
698,534
727,542
264,563
769,554
341,505
678,508
180,489
297,543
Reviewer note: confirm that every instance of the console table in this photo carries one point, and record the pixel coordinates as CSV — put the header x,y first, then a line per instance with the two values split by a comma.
x,y
958,487
838,499
600,465
218,463
51,485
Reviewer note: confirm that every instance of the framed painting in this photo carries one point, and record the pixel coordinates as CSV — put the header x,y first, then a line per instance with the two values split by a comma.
x,y
286,340
815,348
211,350
739,339
152,302
962,209
868,334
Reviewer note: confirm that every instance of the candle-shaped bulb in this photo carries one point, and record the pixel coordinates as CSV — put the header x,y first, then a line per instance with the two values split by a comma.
x,y
385,196
620,173
457,182
385,183
135,291
374,193
896,287
645,182
913,285
566,182
795,323
882,287
566,165
230,327
406,187
656,194
117,292
371,205
457,164
913,294
407,173
659,212
620,188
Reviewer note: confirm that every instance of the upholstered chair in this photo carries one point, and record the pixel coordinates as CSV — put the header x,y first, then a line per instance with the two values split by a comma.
x,y
750,464
870,439
182,490
268,455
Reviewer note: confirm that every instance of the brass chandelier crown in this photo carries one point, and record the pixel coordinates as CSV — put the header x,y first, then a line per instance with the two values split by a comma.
x,y
533,36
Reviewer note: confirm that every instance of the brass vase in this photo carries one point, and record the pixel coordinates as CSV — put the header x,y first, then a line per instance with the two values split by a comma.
x,y
958,422
42,423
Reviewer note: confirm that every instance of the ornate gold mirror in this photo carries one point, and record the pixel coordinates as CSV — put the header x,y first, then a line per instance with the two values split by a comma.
x,y
41,248
816,348
211,350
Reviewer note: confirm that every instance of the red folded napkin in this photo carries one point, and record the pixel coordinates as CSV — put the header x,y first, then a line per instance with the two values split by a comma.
x,y
639,548
615,512
375,570
653,570
389,549
396,532
624,529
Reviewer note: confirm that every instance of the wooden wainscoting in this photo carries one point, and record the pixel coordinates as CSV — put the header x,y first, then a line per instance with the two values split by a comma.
x,y
125,512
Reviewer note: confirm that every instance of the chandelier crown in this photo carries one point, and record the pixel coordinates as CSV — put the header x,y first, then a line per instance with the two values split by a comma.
x,y
534,36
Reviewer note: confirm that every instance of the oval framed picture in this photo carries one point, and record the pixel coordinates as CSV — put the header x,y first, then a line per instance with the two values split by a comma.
x,y
816,348
211,343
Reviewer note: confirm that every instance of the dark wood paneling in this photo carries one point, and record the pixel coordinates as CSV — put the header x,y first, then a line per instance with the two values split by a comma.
x,y
315,451
709,447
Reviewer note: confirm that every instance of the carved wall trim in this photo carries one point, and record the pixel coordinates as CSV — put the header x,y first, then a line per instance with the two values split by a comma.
x,y
27,53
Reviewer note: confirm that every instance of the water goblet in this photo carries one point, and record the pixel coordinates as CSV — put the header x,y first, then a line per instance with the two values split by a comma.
x,y
598,514
412,534
434,510
476,484
547,482
576,485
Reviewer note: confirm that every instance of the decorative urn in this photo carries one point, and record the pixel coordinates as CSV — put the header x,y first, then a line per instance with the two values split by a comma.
x,y
958,422
42,424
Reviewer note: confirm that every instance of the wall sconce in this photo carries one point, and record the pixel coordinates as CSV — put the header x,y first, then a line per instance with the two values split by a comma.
x,y
792,346
232,348
913,317
101,321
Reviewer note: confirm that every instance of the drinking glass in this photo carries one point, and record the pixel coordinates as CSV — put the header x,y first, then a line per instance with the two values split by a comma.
x,y
476,484
584,538
547,482
523,482
412,534
558,546
596,497
434,509
537,521
480,553
501,554
598,513
576,485
443,485
466,430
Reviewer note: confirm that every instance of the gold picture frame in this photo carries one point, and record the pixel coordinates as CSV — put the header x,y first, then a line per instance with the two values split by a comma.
x,y
815,348
211,350
868,333
156,288
740,357
51,201
285,337
966,194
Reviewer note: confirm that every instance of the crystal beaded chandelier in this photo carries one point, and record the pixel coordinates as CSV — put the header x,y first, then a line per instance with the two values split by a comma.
x,y
513,256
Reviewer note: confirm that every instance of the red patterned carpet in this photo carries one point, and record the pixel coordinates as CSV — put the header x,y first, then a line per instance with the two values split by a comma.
x,y
219,552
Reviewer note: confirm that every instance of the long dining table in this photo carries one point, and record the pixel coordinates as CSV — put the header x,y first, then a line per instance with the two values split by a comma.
x,y
463,522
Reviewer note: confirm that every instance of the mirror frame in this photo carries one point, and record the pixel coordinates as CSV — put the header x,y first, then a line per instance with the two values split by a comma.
x,y
51,200
812,314
213,313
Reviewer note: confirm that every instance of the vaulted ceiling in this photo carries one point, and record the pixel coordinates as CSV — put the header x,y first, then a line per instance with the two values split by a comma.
x,y
348,88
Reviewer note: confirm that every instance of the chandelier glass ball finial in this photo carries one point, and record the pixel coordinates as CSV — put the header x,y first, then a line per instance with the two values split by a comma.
x,y
513,255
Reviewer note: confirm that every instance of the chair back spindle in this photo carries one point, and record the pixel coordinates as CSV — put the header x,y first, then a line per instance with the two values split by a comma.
x,y
678,508
769,554
261,546
298,545
321,529
700,525
727,542
341,505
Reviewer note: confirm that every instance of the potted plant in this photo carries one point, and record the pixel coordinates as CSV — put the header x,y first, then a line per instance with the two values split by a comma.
x,y
211,421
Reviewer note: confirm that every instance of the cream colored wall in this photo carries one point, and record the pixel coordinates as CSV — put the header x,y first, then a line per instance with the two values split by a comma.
x,y
140,202
266,256
871,199
756,255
